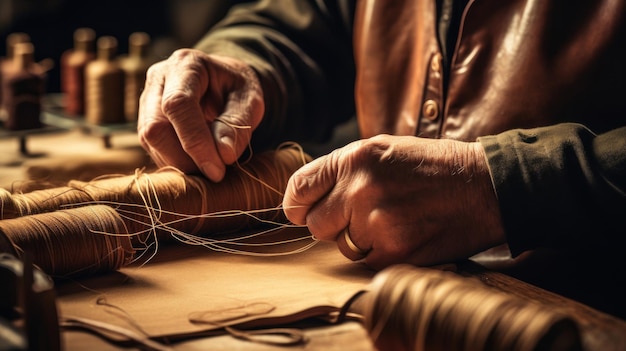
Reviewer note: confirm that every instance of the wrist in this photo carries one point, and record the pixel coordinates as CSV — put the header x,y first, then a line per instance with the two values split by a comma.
x,y
486,196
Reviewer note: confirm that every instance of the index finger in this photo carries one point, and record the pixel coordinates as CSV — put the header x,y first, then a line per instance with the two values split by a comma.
x,y
154,129
182,93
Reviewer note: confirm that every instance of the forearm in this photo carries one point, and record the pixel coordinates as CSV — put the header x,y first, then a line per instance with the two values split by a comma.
x,y
559,185
303,59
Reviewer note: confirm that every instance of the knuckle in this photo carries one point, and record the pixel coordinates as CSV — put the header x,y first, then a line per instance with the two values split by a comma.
x,y
249,76
301,185
175,101
374,155
181,53
191,144
194,143
144,143
154,71
150,133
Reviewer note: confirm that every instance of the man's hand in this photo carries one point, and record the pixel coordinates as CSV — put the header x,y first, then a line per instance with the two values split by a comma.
x,y
403,199
197,111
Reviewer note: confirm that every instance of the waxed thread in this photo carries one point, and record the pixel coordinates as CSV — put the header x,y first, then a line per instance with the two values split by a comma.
x,y
410,308
147,204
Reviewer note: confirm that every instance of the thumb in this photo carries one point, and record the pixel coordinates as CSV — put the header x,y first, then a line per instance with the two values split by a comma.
x,y
243,111
306,187
232,136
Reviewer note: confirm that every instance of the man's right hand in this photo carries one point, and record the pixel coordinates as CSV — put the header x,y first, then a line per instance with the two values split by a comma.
x,y
197,111
403,199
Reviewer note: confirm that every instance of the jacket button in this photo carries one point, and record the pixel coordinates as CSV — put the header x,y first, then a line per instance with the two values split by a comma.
x,y
430,109
435,63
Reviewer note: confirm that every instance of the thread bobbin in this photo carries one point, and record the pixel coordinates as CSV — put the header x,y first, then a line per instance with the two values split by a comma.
x,y
70,242
23,86
104,84
135,66
7,61
411,308
164,204
73,64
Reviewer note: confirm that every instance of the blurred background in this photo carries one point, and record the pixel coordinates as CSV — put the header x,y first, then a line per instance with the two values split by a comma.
x,y
171,24
73,149
69,148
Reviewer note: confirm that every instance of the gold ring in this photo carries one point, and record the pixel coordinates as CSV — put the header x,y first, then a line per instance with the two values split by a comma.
x,y
348,248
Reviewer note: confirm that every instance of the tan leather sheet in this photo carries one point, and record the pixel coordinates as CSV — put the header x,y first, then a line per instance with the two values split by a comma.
x,y
183,281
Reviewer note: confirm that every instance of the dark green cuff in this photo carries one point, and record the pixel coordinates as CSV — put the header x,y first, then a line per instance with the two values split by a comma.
x,y
553,185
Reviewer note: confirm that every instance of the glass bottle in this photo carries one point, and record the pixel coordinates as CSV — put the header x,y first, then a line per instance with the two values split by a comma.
x,y
135,66
73,64
7,61
104,85
23,85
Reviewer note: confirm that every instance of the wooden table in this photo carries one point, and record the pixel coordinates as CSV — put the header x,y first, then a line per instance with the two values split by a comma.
x,y
291,279
599,331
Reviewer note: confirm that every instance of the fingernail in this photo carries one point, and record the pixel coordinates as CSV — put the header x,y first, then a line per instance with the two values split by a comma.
x,y
228,141
212,171
230,144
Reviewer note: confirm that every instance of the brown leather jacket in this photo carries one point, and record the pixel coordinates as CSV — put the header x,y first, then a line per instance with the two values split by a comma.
x,y
517,63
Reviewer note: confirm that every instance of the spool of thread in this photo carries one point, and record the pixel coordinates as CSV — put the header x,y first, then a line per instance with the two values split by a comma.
x,y
410,308
168,202
174,197
257,184
23,86
135,66
104,85
73,64
70,242
7,61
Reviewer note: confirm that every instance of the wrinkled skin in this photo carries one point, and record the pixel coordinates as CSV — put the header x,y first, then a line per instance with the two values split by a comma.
x,y
406,199
197,112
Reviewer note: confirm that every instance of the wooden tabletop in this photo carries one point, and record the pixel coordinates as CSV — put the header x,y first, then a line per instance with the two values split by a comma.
x,y
599,331
323,270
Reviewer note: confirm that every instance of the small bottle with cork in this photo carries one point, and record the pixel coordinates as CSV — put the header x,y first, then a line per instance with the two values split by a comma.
x,y
135,66
104,85
23,87
73,64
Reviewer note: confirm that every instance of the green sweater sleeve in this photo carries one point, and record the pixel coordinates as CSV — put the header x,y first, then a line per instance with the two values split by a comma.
x,y
559,186
302,53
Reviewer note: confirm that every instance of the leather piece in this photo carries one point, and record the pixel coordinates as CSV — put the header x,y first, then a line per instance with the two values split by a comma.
x,y
182,280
